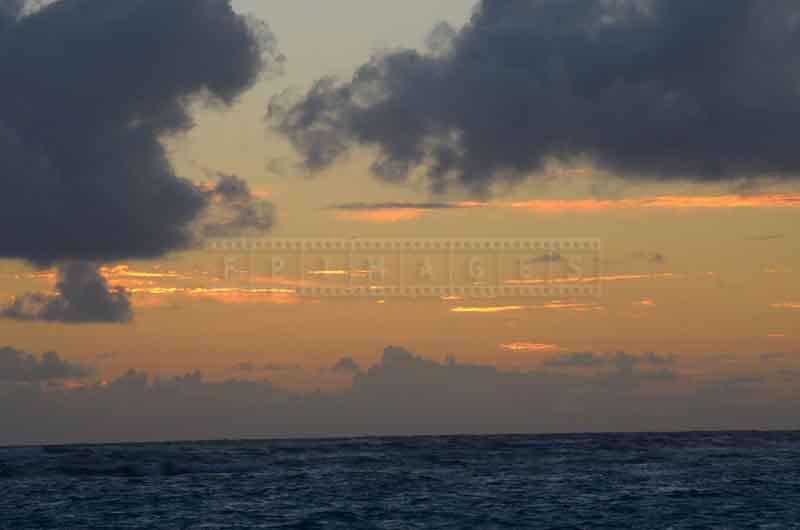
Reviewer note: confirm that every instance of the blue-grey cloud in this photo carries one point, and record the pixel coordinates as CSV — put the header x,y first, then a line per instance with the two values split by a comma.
x,y
577,359
20,367
650,366
89,88
235,211
10,10
346,365
643,88
251,367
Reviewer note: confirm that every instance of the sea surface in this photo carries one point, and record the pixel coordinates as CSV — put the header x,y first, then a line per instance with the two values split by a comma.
x,y
625,481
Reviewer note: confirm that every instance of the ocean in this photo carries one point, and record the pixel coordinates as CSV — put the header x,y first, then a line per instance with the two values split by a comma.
x,y
611,481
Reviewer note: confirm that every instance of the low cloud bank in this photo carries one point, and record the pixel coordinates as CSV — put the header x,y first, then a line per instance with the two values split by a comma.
x,y
402,394
20,367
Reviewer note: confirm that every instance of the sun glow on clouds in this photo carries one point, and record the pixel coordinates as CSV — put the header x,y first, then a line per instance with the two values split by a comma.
x,y
383,215
228,296
378,213
786,305
555,305
645,302
667,202
530,347
156,288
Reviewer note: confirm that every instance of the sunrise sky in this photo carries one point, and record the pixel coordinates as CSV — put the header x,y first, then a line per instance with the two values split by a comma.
x,y
700,290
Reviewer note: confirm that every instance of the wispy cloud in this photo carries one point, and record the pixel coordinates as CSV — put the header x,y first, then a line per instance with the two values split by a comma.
x,y
786,305
555,305
530,347
768,237
227,295
665,202
596,279
645,302
392,212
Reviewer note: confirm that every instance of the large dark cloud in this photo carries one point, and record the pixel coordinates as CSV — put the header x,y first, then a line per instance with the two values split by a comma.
x,y
83,297
89,88
20,367
646,88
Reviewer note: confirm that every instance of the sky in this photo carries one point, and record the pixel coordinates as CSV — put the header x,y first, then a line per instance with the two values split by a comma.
x,y
283,218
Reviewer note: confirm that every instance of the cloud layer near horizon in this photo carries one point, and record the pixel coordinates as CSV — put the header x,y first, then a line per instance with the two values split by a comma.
x,y
644,88
89,89
402,394
20,367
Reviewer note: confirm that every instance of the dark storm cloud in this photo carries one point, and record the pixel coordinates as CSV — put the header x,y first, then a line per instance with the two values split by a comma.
x,y
644,88
21,367
83,297
89,87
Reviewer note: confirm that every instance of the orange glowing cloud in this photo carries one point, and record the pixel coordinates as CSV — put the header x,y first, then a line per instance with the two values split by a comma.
x,y
396,212
667,202
383,216
645,302
228,296
124,271
489,309
530,347
555,305
786,305
358,273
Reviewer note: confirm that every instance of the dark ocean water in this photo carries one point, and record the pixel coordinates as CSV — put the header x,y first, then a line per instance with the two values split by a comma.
x,y
702,481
